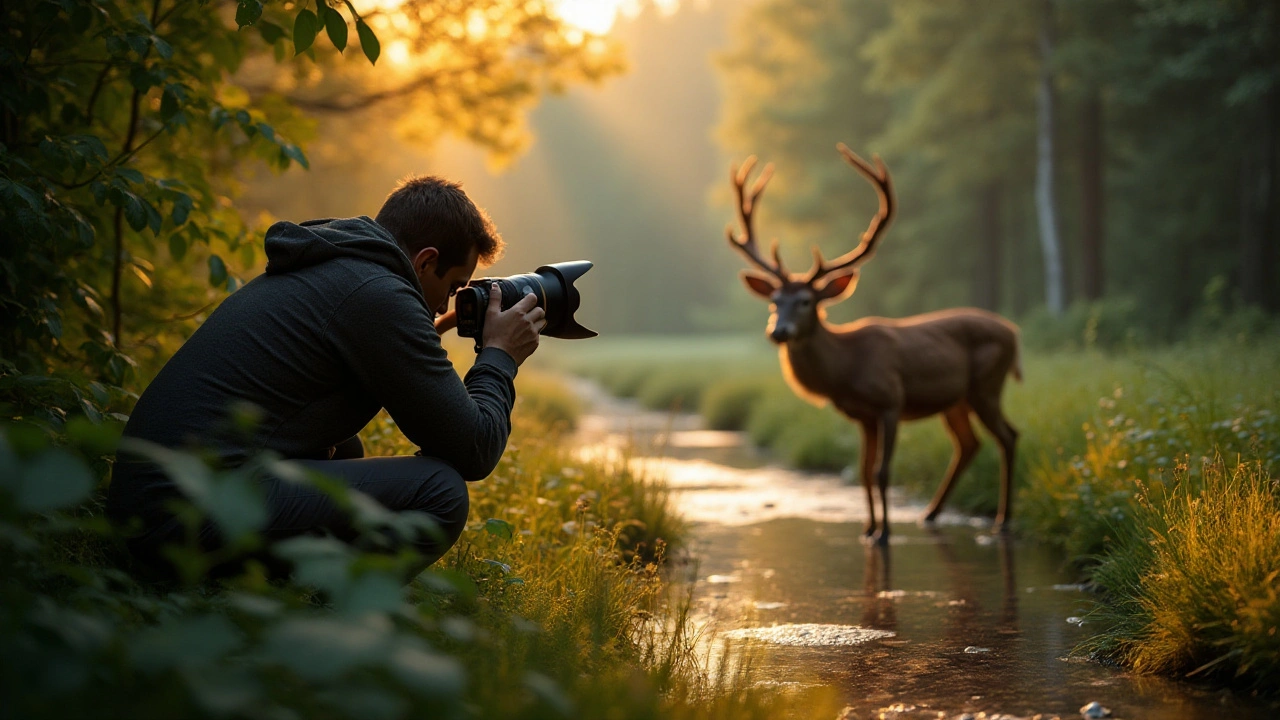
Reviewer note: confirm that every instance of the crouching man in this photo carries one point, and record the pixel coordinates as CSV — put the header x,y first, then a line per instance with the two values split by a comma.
x,y
344,322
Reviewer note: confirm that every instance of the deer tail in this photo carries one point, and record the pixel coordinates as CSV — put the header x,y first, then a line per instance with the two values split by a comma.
x,y
1016,369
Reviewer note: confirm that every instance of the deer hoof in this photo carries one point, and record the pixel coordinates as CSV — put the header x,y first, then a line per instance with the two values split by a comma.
x,y
929,517
869,531
1001,527
882,538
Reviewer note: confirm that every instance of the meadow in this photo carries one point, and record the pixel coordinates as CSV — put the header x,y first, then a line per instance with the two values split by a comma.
x,y
1132,459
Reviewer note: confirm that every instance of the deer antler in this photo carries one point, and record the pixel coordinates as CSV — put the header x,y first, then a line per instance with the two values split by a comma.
x,y
746,242
879,177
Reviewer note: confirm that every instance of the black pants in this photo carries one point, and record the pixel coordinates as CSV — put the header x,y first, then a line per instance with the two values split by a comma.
x,y
398,483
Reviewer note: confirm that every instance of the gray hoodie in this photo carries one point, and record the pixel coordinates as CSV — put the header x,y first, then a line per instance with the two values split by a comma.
x,y
336,329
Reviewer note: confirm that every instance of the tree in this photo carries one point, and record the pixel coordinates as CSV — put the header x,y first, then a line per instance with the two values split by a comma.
x,y
126,123
1046,147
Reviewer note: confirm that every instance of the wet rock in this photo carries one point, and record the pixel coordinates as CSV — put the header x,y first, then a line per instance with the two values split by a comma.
x,y
1094,710
848,714
1077,621
723,579
810,635
974,650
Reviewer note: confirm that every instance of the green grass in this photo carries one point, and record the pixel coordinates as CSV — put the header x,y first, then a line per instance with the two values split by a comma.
x,y
1193,583
552,605
1098,430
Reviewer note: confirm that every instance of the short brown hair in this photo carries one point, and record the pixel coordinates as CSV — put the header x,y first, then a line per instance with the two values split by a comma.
x,y
427,211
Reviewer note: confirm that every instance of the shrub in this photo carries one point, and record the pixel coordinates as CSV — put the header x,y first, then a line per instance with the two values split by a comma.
x,y
675,388
546,398
1192,585
728,404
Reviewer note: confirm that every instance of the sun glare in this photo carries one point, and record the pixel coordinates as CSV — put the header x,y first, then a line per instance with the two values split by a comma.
x,y
598,16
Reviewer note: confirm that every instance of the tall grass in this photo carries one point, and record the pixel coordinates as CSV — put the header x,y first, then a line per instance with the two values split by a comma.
x,y
1193,582
552,605
1189,569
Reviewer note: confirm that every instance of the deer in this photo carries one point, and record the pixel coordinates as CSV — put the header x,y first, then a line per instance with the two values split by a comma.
x,y
879,372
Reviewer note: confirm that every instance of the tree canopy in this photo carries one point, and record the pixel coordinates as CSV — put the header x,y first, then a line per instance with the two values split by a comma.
x,y
1165,158
128,126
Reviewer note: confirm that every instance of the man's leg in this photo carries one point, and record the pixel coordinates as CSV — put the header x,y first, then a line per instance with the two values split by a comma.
x,y
401,483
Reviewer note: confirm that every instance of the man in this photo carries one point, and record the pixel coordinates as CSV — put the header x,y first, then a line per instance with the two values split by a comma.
x,y
342,324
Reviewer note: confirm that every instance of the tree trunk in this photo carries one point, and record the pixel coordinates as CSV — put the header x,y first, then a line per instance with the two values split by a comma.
x,y
987,275
1046,208
1257,211
1092,198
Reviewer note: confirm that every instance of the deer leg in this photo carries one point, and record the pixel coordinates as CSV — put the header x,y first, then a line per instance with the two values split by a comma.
x,y
870,452
992,418
888,434
966,446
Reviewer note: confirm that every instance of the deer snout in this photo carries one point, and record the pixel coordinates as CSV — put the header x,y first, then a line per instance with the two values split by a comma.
x,y
781,333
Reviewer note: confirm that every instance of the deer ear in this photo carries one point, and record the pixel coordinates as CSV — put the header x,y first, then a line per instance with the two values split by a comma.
x,y
838,287
759,284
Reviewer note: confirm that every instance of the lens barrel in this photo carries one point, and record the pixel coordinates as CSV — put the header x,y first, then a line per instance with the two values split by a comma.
x,y
552,284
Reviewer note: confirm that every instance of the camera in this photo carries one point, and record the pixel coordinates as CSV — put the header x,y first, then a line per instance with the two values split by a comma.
x,y
553,284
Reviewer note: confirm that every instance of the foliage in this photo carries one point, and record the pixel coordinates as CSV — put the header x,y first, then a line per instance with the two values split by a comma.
x,y
128,126
1185,95
1192,585
544,609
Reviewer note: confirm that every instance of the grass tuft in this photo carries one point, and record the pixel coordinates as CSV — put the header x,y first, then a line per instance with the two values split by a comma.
x,y
1193,586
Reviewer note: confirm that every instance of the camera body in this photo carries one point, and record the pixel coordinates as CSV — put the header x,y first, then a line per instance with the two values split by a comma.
x,y
552,284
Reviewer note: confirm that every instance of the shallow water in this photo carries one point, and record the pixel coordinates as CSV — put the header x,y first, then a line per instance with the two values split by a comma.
x,y
944,621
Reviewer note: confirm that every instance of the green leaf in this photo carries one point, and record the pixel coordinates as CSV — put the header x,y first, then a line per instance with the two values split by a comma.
x,y
217,271
134,213
336,25
130,174
321,649
154,221
163,49
295,153
305,28
177,247
431,674
271,32
368,42
190,642
248,12
372,592
181,209
499,528
55,479
237,505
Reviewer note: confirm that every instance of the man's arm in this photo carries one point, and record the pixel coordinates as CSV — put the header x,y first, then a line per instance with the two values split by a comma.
x,y
385,335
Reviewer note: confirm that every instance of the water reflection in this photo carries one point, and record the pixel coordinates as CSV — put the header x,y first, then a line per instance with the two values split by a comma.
x,y
979,622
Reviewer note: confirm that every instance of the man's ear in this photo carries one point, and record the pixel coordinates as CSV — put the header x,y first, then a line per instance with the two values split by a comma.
x,y
426,260
838,287
759,284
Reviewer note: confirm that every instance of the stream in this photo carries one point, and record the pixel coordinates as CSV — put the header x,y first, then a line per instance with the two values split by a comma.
x,y
946,622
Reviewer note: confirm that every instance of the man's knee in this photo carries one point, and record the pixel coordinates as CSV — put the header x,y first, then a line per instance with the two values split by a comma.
x,y
444,497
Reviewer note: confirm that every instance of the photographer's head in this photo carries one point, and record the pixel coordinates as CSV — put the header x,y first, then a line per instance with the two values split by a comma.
x,y
444,234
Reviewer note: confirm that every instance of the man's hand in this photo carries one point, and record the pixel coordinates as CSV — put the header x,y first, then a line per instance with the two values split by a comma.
x,y
515,331
446,322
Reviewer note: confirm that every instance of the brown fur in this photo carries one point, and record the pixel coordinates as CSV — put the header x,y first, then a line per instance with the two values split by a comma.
x,y
879,372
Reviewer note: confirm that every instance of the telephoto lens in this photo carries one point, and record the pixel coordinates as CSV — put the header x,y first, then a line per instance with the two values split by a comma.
x,y
552,284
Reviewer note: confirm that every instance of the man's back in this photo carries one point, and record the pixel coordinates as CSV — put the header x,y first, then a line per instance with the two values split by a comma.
x,y
335,330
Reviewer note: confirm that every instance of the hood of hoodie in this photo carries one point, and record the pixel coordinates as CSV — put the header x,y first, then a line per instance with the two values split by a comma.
x,y
293,246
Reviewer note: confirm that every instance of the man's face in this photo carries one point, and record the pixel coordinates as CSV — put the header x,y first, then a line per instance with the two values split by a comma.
x,y
438,287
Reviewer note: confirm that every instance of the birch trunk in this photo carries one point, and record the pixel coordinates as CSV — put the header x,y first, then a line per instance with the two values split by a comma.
x,y
1046,207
